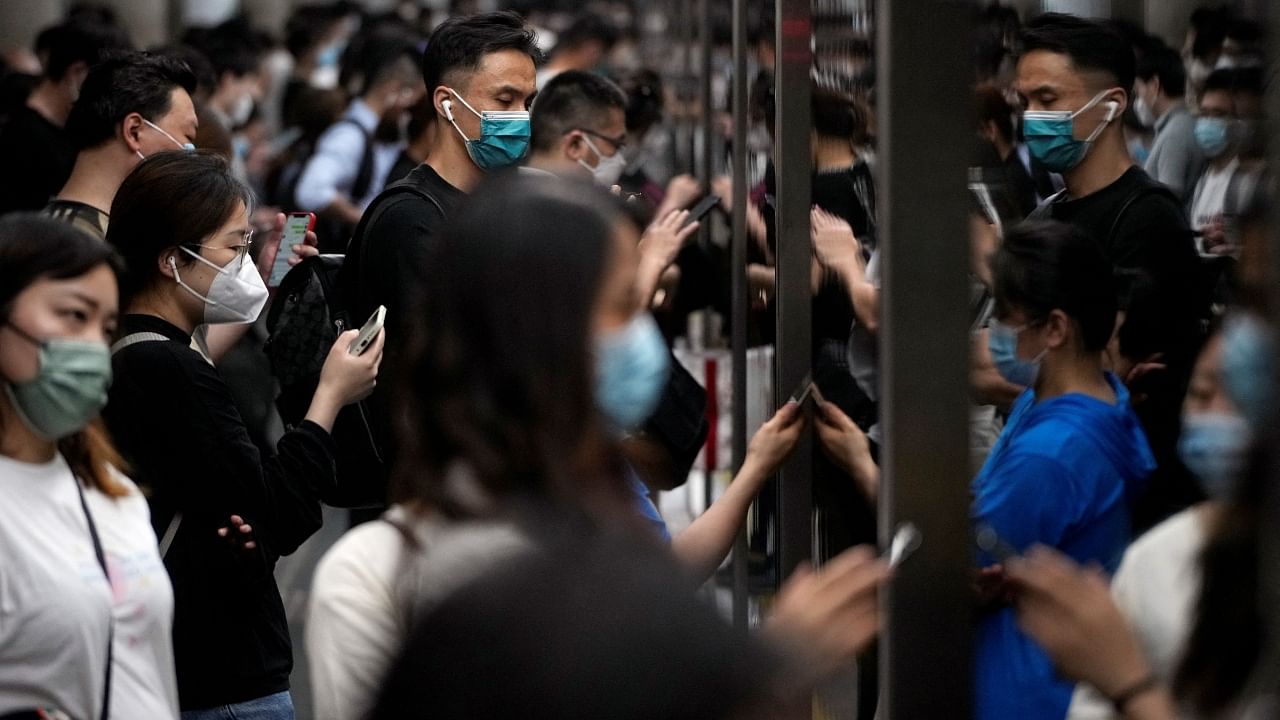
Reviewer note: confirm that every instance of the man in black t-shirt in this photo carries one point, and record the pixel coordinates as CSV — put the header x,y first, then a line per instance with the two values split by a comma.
x,y
1084,70
38,154
472,65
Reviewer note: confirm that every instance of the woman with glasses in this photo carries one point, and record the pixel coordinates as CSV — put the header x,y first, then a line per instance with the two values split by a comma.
x,y
181,222
1071,455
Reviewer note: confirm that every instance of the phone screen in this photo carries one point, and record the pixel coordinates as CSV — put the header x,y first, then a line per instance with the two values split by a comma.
x,y
704,206
295,233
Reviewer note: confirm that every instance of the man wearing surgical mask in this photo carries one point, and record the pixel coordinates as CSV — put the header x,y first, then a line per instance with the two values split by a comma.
x,y
479,74
1227,186
1075,78
1176,159
579,128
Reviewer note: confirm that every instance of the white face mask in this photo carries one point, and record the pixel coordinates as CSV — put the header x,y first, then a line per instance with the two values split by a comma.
x,y
607,169
1143,110
237,294
241,111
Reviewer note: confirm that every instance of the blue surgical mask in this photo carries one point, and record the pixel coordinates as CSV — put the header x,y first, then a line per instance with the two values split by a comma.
x,y
1051,139
1212,135
1215,448
1248,346
504,136
632,364
1002,341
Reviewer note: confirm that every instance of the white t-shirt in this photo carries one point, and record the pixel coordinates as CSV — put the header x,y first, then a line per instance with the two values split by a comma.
x,y
1156,588
1210,196
362,592
56,609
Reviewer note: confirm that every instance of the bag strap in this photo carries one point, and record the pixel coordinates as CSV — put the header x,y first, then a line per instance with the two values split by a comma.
x,y
111,621
128,341
364,173
134,339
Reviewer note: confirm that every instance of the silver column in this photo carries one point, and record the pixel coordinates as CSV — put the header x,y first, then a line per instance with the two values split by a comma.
x,y
794,299
924,141
738,302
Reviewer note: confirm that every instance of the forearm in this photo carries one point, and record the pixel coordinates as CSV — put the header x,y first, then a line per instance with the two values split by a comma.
x,y
864,296
221,338
324,408
343,209
1153,705
648,275
705,543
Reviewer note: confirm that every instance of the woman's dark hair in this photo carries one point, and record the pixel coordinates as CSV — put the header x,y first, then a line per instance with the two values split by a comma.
x,y
171,199
1229,630
1047,265
837,115
497,373
33,248
460,43
645,99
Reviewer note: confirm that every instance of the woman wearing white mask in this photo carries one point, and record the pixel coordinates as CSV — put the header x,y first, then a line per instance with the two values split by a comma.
x,y
182,227
85,605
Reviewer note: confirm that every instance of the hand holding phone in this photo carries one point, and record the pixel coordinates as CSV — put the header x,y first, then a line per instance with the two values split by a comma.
x,y
370,331
296,227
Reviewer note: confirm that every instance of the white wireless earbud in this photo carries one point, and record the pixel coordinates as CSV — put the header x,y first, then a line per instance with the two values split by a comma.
x,y
173,263
1113,109
447,106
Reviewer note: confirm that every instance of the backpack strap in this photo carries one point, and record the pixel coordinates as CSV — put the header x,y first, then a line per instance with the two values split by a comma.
x,y
364,172
101,555
1153,188
129,340
134,339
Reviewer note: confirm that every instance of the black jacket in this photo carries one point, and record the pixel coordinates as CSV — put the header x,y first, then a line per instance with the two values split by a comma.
x,y
173,418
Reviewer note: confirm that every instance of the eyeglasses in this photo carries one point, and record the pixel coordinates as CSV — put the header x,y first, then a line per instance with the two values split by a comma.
x,y
617,142
241,250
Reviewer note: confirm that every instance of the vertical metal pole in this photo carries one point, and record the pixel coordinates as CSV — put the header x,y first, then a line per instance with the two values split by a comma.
x,y
792,160
1269,542
738,303
708,117
926,648
685,131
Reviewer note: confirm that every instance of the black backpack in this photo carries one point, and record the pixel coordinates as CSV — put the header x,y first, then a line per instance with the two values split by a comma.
x,y
306,317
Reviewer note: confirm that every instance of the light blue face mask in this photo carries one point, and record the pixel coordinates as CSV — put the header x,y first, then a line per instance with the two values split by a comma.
x,y
504,136
1212,135
1002,341
1215,448
1051,138
1248,347
632,365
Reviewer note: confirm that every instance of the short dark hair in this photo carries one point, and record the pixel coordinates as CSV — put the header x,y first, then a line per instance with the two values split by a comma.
x,y
588,27
1235,80
79,41
132,82
1166,64
171,199
1042,266
201,68
1090,44
372,57
309,23
460,43
572,100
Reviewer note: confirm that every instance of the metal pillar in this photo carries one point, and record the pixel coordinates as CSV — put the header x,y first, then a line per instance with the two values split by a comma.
x,y
924,134
1269,540
738,303
792,160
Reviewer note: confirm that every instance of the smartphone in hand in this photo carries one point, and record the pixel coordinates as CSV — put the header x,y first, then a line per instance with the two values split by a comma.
x,y
296,227
703,208
369,331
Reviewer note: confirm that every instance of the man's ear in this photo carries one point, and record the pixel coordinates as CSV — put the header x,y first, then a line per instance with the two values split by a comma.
x,y
573,146
131,131
1058,329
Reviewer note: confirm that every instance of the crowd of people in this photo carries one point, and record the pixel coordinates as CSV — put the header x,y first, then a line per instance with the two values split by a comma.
x,y
503,207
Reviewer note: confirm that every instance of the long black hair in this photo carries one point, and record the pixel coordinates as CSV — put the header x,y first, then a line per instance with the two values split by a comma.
x,y
497,374
32,248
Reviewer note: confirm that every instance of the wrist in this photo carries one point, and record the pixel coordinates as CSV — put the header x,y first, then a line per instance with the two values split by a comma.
x,y
1132,693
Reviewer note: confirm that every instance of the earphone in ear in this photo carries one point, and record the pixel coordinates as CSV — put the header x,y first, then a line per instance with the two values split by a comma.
x,y
1113,109
447,106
